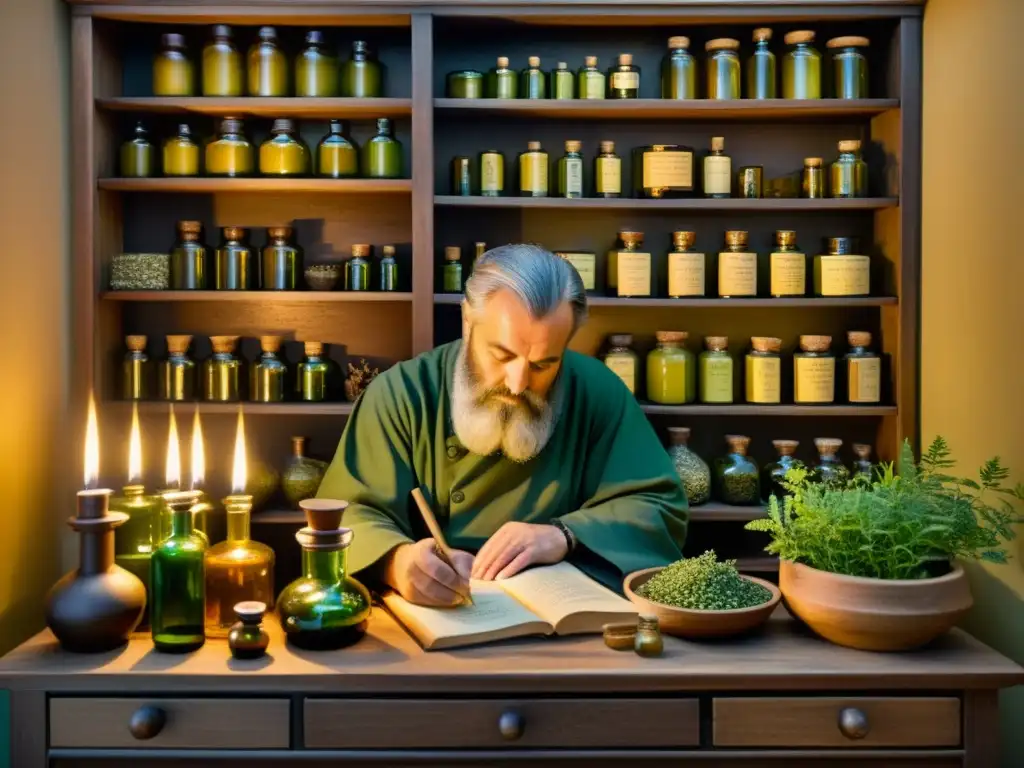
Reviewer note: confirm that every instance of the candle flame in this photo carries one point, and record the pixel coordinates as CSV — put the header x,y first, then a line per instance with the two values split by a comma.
x,y
172,473
198,453
92,446
135,449
238,470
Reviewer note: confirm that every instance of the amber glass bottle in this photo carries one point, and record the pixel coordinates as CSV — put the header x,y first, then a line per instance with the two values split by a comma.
x,y
362,76
316,70
222,65
138,157
268,67
230,154
337,156
284,153
812,182
172,70
181,154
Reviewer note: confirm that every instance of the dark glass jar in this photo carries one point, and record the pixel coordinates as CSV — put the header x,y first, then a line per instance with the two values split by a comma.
x,y
188,258
451,270
736,479
222,65
829,469
234,268
387,270
678,70
462,176
178,580
849,66
382,155
761,77
723,68
337,156
302,476
357,269
247,638
314,375
316,70
138,156
135,370
563,82
849,171
282,261
862,464
533,84
801,67
181,153
284,153
502,81
774,472
267,65
222,372
178,371
590,80
172,70
362,76
230,154
693,471
624,78
268,376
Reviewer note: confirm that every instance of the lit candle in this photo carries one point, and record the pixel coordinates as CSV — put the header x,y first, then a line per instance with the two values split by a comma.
x,y
92,502
172,471
135,449
238,467
198,453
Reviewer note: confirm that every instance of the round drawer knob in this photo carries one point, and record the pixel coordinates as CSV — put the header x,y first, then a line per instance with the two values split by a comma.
x,y
853,723
511,725
147,722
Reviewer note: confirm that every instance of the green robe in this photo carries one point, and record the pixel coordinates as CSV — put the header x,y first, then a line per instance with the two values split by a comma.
x,y
604,472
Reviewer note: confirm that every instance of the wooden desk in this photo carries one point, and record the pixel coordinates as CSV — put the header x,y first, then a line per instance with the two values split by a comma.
x,y
780,694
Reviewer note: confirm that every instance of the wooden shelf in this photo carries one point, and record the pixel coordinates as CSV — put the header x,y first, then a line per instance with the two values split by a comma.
x,y
261,297
661,109
252,106
716,511
768,204
209,185
250,409
768,410
804,302
761,564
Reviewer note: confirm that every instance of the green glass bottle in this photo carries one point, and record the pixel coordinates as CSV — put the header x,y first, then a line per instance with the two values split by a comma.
x,y
362,76
388,269
502,82
268,376
172,70
337,156
178,586
178,371
313,375
268,67
284,153
678,70
357,269
138,156
222,372
282,261
451,272
723,68
188,259
849,67
135,370
532,82
624,78
382,155
570,171
830,469
761,67
590,80
135,541
316,70
222,65
773,474
849,172
862,464
181,154
563,82
233,266
801,67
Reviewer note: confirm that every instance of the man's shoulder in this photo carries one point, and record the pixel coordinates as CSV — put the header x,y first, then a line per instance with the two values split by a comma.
x,y
590,375
417,380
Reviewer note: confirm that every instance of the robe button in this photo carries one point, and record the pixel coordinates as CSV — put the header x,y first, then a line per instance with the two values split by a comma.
x,y
453,452
458,497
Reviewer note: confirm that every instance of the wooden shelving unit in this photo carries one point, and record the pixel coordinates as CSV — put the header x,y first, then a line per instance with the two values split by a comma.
x,y
257,106
709,303
260,297
201,185
766,205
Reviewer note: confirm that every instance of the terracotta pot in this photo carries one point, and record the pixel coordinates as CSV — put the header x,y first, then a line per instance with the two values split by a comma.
x,y
875,614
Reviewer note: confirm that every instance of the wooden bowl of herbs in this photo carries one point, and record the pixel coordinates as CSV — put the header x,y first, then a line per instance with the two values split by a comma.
x,y
700,597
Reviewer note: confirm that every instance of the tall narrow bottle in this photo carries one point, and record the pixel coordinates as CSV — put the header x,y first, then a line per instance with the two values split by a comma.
x,y
679,70
761,67
357,269
282,261
178,371
479,249
608,172
178,580
234,268
188,259
387,270
135,370
135,541
717,170
532,82
451,271
570,171
590,80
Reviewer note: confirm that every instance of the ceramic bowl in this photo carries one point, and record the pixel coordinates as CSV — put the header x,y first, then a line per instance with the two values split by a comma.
x,y
323,277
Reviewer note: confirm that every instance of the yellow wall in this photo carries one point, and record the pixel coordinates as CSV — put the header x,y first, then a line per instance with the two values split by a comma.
x,y
972,379
34,306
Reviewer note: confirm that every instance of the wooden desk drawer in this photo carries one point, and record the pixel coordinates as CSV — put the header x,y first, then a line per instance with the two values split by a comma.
x,y
821,722
188,723
424,724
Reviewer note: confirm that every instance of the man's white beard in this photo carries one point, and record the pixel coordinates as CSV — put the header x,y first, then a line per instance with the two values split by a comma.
x,y
485,424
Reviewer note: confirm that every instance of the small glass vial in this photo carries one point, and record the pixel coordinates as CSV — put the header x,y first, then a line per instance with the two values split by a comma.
x,y
268,376
337,156
267,65
387,270
624,78
282,261
178,371
479,249
362,76
607,172
717,170
812,180
284,153
647,641
629,269
181,154
678,70
686,267
801,67
622,360
829,468
316,70
533,171
814,371
773,474
451,272
671,370
590,80
247,638
461,177
723,68
849,171
737,267
750,182
502,82
563,82
172,70
863,370
788,266
585,264
188,259
763,371
862,464
849,66
716,371
570,171
222,372
492,173
222,64
234,268
736,477
842,271
357,269
138,156
135,373
532,82
313,375
230,154
382,155
761,67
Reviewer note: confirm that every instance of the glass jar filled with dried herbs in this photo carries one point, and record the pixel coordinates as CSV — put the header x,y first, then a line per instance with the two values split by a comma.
x,y
693,471
736,479
774,472
829,469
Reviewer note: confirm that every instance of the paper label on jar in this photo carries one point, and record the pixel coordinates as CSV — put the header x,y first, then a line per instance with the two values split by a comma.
x,y
625,369
717,175
789,274
716,380
634,274
593,86
625,81
764,379
533,172
737,274
845,275
865,378
574,177
668,169
492,173
609,176
685,274
586,265
814,379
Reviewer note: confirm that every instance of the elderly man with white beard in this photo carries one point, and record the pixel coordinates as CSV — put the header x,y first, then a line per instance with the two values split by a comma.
x,y
528,452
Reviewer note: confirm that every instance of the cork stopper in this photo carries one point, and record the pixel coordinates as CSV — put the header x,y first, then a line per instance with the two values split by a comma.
x,y
850,145
621,339
722,44
766,344
849,41
172,40
738,443
135,343
298,445
221,32
279,233
815,343
283,125
812,162
679,41
799,36
533,61
736,237
590,61
573,146
323,514
533,146
479,249
786,447
388,252
718,143
762,35
828,446
503,62
452,253
178,345
858,338
678,435
360,251
223,345
631,239
862,451
313,348
268,34
230,125
671,337
683,239
233,233
716,343
785,237
190,227
607,147
270,344
625,59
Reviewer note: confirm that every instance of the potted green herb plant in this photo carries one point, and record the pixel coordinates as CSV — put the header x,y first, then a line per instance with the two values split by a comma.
x,y
872,564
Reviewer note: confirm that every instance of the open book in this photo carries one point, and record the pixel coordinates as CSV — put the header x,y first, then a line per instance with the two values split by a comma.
x,y
554,599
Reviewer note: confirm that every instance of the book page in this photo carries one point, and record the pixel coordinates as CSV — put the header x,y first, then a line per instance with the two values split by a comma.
x,y
568,599
494,615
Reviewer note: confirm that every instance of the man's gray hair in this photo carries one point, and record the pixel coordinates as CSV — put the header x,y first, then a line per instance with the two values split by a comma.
x,y
540,279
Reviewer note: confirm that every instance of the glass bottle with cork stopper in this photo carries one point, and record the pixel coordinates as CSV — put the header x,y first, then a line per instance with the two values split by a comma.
x,y
282,261
716,371
829,468
774,473
763,371
671,370
607,172
135,370
268,376
267,66
172,70
533,171
862,464
532,82
801,66
814,371
812,180
316,70
570,171
357,269
849,66
717,170
138,156
337,156
686,267
849,173
313,375
761,77
222,64
362,75
230,154
723,68
492,173
736,476
563,82
622,360
788,266
693,471
382,155
663,171
284,153
502,82
629,269
188,259
178,371
624,78
181,153
234,268
678,70
222,371
387,269
842,271
590,80
178,612
451,271
302,476
863,370
737,267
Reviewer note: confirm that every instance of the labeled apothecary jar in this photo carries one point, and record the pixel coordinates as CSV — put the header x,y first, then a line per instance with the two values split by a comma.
x,y
230,154
841,271
716,371
814,371
622,360
763,371
693,471
736,479
849,66
671,370
723,68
